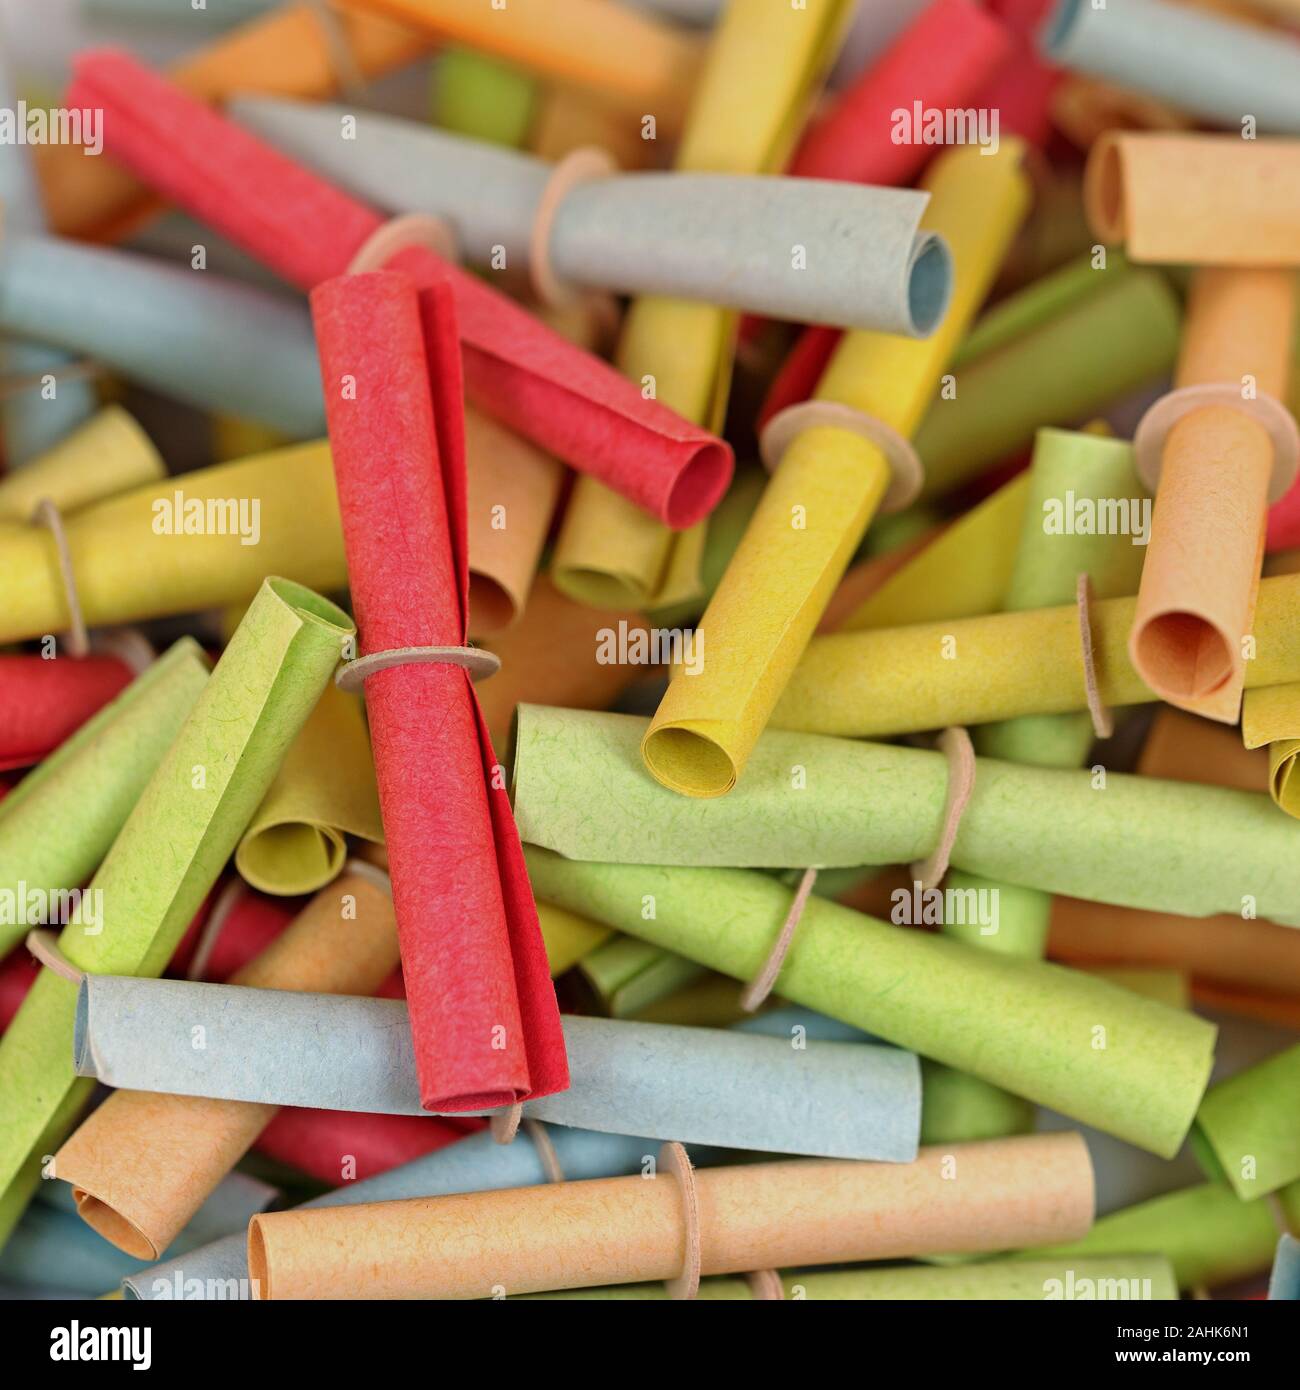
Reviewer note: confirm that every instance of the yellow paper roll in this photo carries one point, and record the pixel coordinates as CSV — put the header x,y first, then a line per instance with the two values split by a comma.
x,y
107,455
826,488
568,936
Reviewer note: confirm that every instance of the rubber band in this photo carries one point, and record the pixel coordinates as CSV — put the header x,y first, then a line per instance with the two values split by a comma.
x,y
504,1124
674,1160
347,71
907,472
760,987
479,663
956,746
129,645
1280,1218
399,234
577,167
1153,429
217,918
47,514
537,1132
765,1285
44,945
364,869
1102,723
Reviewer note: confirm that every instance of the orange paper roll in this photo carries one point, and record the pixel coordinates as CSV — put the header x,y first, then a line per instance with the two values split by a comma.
x,y
645,65
513,488
1196,199
998,1195
1182,748
295,51
143,1164
1196,603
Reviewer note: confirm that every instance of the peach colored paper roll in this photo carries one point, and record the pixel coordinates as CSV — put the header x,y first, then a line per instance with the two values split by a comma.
x,y
290,52
513,488
1182,748
1196,199
1196,602
143,1164
998,1195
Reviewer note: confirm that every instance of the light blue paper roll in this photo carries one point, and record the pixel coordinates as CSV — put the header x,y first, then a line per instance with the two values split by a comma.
x,y
808,250
476,1164
53,1248
214,343
339,1052
1284,1283
1204,64
31,422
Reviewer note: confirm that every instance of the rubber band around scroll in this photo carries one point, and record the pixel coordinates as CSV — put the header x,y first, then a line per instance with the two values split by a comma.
x,y
44,945
674,1159
1280,1218
48,515
756,992
231,894
1153,429
956,746
351,80
480,664
579,166
1102,724
906,471
765,1286
400,234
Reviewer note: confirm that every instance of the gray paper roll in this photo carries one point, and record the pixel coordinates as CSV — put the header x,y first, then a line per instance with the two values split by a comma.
x,y
336,1052
809,250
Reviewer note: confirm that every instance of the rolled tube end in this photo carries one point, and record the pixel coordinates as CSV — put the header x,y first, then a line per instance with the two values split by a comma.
x,y
929,286
110,1223
1181,656
1103,190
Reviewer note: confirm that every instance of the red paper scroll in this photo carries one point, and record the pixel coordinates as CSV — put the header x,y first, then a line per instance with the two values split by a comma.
x,y
939,62
483,1013
320,1142
568,402
44,702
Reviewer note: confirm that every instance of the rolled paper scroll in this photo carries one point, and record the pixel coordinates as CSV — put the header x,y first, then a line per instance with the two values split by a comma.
x,y
940,61
50,1242
827,485
211,342
884,274
568,936
1121,1277
181,545
906,679
628,975
1272,718
1248,1127
635,60
323,793
108,454
1206,64
1196,199
631,1229
335,1145
559,652
58,823
476,95
487,1030
292,52
1284,1282
1020,1024
479,1163
1218,461
1147,843
145,1161
1185,748
44,701
566,401
1069,367
741,122
1209,1236
200,796
836,1100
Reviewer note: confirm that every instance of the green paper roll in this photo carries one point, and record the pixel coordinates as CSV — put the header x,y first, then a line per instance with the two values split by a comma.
x,y
1113,1278
1207,1234
169,853
1027,1026
58,823
1101,347
1248,1128
808,799
479,96
629,975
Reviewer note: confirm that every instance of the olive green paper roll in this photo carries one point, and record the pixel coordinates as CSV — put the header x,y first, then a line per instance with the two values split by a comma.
x,y
1103,346
1113,1277
810,800
1208,1235
1089,1049
1248,1127
174,844
58,823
